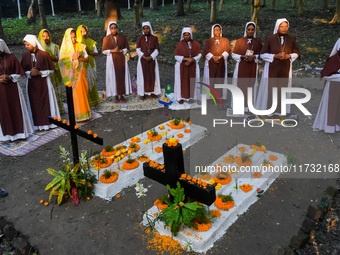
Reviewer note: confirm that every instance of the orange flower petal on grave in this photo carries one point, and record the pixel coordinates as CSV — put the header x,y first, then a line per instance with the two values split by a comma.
x,y
89,132
76,127
55,118
95,135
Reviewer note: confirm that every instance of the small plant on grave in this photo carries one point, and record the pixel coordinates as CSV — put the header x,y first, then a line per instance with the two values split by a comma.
x,y
177,123
130,163
179,212
187,120
153,135
134,147
108,151
267,163
259,146
224,202
76,181
109,177
244,159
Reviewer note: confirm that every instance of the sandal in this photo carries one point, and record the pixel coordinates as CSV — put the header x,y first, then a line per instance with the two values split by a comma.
x,y
3,193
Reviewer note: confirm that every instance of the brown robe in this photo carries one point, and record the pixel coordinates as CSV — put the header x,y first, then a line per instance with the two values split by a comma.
x,y
332,66
279,69
217,70
11,118
148,47
187,72
109,43
37,86
247,70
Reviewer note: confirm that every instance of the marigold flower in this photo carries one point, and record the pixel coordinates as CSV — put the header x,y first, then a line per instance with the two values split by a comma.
x,y
46,204
89,132
55,118
118,195
76,127
64,121
88,198
41,201
95,136
59,119
68,123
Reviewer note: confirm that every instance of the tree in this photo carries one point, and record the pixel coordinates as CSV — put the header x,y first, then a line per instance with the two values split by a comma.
x,y
294,3
213,12
301,4
246,1
32,12
336,18
272,5
112,11
2,34
154,4
255,9
209,4
180,8
188,5
100,6
137,12
141,9
325,4
42,14
220,6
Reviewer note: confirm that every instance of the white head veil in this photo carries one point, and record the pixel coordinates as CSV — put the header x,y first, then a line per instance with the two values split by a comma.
x,y
186,30
245,29
212,29
278,23
108,31
3,47
33,40
336,48
147,23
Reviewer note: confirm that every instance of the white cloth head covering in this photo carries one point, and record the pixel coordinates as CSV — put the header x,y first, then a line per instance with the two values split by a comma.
x,y
147,23
108,31
278,23
336,48
245,29
212,29
3,47
33,40
186,30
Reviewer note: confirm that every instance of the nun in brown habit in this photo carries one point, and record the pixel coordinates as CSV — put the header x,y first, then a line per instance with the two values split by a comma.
x,y
328,116
115,47
280,50
187,55
246,54
216,52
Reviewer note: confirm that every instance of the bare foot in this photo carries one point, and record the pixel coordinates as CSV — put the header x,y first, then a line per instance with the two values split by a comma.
x,y
117,100
122,99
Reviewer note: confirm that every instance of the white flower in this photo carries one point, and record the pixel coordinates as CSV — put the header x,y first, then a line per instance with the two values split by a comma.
x,y
140,190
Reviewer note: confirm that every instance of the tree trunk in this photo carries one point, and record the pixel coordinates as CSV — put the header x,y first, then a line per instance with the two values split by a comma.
x,y
42,14
301,4
141,9
209,4
188,5
220,6
2,34
294,3
112,11
336,18
246,1
32,12
272,5
137,12
154,4
180,8
255,10
325,4
213,12
100,8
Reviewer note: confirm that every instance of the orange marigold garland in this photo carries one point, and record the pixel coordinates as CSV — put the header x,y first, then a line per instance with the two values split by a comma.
x,y
229,159
273,157
134,147
159,149
224,202
222,178
257,175
143,158
154,136
215,213
180,135
130,164
203,224
205,176
176,124
102,162
135,139
172,142
187,131
262,148
109,177
242,148
108,151
246,187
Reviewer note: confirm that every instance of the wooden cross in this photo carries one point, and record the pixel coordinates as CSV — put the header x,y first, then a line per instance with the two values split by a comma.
x,y
174,168
71,127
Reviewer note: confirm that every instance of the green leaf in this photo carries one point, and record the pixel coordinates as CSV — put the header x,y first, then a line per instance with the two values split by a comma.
x,y
52,172
53,190
193,206
60,196
55,181
177,193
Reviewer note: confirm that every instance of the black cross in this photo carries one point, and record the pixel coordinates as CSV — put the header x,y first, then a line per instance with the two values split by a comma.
x,y
71,127
174,168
